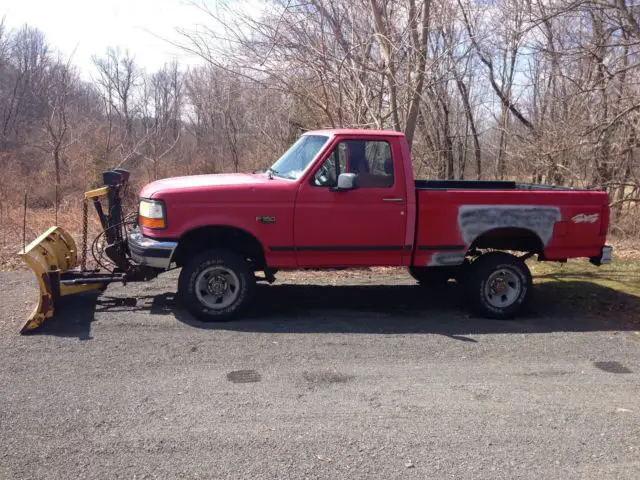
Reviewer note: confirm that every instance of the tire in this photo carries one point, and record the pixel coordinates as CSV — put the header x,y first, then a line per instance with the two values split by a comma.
x,y
499,286
216,285
431,276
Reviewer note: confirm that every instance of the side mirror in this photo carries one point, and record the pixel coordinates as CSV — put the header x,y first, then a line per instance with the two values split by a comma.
x,y
346,181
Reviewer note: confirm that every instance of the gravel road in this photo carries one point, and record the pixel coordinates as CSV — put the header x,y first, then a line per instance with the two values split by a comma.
x,y
345,382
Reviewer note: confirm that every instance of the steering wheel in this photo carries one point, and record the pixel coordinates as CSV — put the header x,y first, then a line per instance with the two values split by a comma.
x,y
322,177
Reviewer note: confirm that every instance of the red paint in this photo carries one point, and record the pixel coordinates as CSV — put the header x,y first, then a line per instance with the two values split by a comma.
x,y
331,229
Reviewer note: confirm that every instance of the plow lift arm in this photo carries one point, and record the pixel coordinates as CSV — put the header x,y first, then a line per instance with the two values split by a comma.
x,y
53,256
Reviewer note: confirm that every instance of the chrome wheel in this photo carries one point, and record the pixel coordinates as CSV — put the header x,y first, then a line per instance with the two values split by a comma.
x,y
502,288
217,287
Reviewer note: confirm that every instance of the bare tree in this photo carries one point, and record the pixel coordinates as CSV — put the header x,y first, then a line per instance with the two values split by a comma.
x,y
162,122
58,131
22,106
119,78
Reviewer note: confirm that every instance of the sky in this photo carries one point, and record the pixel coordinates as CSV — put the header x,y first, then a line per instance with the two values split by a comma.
x,y
87,27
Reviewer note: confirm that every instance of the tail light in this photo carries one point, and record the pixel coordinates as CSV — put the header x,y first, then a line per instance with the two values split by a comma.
x,y
604,220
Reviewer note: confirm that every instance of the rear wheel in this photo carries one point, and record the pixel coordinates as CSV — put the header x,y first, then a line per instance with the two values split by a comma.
x,y
499,285
216,285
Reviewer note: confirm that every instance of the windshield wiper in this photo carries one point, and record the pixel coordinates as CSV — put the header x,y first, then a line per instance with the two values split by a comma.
x,y
271,173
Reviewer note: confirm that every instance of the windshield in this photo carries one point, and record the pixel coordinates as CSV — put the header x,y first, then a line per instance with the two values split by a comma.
x,y
297,158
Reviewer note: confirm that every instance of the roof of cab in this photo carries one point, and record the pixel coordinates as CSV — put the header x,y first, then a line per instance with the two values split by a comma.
x,y
355,131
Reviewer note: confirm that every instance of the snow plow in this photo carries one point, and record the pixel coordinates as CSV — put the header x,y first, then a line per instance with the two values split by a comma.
x,y
61,270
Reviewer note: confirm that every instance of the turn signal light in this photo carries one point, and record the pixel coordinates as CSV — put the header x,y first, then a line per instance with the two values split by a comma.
x,y
151,222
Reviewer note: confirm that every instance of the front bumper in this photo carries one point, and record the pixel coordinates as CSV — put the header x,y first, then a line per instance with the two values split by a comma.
x,y
150,252
605,258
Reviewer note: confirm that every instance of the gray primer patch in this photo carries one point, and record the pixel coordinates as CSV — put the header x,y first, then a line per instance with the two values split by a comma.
x,y
445,259
474,220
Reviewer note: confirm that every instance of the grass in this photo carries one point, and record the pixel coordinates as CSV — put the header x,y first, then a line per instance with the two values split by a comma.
x,y
585,288
623,274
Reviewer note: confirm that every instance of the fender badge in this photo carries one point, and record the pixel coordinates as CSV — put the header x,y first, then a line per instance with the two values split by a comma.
x,y
584,218
265,219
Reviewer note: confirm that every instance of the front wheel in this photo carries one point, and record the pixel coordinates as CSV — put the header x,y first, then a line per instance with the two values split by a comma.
x,y
216,285
499,285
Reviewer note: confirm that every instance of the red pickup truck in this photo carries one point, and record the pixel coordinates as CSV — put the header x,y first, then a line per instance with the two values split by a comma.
x,y
347,198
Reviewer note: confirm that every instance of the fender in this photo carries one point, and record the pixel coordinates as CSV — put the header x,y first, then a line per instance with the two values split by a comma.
x,y
245,220
220,220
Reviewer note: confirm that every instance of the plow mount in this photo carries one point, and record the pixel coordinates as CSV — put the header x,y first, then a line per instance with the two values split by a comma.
x,y
53,256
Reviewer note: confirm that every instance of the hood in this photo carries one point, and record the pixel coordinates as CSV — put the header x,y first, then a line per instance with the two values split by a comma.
x,y
201,182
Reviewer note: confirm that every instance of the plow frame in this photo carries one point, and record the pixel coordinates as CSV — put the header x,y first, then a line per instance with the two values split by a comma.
x,y
51,256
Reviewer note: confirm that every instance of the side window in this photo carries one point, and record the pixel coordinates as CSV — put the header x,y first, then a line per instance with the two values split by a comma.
x,y
370,160
378,155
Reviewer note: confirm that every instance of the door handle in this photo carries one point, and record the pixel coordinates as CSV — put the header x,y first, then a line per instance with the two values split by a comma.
x,y
396,200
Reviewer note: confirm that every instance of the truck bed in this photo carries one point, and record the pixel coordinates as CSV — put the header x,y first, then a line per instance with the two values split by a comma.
x,y
559,222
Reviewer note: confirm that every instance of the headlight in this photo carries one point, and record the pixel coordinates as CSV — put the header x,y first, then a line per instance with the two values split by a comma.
x,y
151,214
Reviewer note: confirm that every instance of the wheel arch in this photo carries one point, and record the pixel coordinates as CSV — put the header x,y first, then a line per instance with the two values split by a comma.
x,y
509,238
233,238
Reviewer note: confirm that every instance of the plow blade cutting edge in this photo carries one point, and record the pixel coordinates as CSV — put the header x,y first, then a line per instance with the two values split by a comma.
x,y
50,256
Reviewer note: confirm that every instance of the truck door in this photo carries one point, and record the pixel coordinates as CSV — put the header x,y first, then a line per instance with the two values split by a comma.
x,y
364,226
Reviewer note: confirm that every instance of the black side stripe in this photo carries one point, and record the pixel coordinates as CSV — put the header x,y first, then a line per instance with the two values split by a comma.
x,y
282,249
442,247
341,248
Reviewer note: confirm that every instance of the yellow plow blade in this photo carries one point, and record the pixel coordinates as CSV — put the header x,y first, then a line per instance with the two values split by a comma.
x,y
49,256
